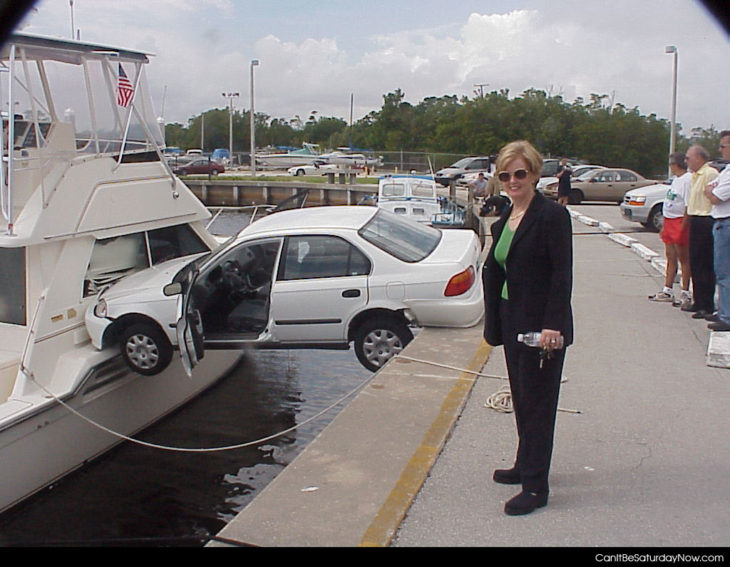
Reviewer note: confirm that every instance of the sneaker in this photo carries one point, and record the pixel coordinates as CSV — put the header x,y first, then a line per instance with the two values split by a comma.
x,y
661,296
683,302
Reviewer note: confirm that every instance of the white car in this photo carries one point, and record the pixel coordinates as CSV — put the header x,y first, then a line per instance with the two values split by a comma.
x,y
319,277
644,205
315,168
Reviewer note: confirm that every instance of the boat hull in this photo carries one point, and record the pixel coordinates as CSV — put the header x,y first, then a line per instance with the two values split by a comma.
x,y
40,445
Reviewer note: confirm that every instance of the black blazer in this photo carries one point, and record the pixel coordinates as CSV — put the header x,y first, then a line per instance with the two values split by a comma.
x,y
539,273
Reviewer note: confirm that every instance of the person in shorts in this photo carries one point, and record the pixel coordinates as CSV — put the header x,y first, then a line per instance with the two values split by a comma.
x,y
675,233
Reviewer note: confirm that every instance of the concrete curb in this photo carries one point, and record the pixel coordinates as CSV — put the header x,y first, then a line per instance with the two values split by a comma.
x,y
718,347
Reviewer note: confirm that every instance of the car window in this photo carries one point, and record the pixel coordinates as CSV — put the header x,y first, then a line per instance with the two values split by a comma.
x,y
625,176
605,176
321,256
173,242
408,241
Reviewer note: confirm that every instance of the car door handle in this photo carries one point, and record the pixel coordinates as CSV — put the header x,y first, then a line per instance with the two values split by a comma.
x,y
351,293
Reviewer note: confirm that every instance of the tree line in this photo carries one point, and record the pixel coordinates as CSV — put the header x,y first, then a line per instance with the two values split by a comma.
x,y
595,130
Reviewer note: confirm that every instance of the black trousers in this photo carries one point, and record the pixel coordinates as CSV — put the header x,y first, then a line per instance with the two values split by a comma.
x,y
701,260
535,390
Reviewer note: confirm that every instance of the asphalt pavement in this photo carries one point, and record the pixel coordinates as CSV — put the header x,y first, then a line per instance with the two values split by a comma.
x,y
645,462
641,456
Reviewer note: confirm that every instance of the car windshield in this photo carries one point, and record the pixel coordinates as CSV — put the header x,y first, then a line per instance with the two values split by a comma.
x,y
462,163
406,240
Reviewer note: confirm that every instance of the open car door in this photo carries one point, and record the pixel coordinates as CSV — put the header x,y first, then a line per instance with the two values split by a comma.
x,y
225,304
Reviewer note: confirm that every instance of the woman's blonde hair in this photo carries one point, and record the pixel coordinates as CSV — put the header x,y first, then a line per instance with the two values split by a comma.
x,y
520,149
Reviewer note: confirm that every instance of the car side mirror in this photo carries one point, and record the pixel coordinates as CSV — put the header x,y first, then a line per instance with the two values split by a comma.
x,y
172,289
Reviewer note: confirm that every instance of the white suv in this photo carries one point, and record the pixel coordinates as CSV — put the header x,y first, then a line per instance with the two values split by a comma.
x,y
320,277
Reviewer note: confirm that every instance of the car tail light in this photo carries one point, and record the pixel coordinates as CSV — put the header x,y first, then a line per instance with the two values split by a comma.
x,y
460,283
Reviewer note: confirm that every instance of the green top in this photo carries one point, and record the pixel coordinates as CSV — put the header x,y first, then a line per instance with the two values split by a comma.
x,y
500,253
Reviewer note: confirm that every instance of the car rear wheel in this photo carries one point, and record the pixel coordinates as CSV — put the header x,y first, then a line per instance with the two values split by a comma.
x,y
145,348
575,197
380,339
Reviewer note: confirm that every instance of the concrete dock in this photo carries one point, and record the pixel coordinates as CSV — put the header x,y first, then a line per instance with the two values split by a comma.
x,y
641,455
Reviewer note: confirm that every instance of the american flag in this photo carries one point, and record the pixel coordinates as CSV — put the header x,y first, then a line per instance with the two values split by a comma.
x,y
125,91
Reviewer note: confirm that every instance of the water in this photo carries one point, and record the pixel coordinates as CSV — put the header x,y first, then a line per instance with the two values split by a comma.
x,y
141,496
135,495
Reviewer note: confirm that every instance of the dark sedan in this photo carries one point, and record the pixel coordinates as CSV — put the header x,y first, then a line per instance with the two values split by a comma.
x,y
200,165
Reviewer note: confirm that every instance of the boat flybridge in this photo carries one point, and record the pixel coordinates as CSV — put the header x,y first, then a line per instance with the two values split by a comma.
x,y
87,198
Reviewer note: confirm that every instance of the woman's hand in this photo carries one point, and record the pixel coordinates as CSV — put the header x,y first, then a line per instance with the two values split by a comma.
x,y
549,339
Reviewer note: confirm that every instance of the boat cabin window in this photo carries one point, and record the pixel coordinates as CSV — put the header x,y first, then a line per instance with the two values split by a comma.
x,y
173,242
12,286
114,258
394,190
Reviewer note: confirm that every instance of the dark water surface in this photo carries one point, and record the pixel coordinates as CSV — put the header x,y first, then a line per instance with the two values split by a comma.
x,y
136,495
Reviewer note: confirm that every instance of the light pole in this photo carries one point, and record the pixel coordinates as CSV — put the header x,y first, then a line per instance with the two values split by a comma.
x,y
673,129
254,63
230,97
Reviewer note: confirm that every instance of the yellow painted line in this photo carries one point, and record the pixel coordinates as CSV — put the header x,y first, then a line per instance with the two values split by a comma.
x,y
391,514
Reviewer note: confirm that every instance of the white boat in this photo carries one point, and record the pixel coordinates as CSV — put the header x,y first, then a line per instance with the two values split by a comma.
x,y
87,198
412,196
307,154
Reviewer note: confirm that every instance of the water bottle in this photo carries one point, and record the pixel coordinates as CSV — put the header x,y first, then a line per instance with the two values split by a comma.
x,y
532,339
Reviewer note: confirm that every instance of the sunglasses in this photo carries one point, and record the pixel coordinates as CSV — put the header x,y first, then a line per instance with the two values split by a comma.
x,y
504,176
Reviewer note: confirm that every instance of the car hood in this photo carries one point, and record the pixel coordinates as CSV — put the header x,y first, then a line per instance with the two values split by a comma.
x,y
649,190
154,278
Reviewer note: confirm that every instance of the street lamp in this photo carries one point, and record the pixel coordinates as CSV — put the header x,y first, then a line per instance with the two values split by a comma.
x,y
254,63
673,130
230,97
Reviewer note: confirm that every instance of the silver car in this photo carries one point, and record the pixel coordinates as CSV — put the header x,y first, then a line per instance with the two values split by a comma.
x,y
644,205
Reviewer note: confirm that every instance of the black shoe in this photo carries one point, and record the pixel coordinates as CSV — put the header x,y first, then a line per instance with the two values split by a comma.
x,y
719,326
525,502
712,318
701,314
507,476
691,307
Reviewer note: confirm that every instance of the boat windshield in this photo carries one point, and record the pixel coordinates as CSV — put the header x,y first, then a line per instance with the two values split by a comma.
x,y
406,240
98,93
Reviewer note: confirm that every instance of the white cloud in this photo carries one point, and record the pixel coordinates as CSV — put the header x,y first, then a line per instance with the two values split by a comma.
x,y
313,57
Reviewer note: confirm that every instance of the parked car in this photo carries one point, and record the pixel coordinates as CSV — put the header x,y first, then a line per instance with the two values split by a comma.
x,y
199,165
316,168
644,205
577,172
318,277
608,184
463,166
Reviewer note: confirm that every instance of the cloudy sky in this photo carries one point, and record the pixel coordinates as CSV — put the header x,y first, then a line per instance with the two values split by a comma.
x,y
315,56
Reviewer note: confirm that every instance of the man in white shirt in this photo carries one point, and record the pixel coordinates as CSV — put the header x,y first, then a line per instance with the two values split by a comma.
x,y
718,192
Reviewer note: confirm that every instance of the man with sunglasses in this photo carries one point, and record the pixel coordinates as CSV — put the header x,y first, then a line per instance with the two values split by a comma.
x,y
700,234
718,192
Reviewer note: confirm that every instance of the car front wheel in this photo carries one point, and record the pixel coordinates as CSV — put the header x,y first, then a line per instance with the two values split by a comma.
x,y
145,348
655,220
380,339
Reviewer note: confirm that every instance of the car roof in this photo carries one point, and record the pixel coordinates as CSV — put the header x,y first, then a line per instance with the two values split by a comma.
x,y
350,217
